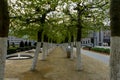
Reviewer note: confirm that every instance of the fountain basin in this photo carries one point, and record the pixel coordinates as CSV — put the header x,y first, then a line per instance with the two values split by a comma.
x,y
19,57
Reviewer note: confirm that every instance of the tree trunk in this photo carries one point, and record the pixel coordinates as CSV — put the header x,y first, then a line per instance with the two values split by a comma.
x,y
50,45
72,54
79,35
47,49
115,59
4,18
44,51
3,52
64,47
4,27
78,53
115,40
36,56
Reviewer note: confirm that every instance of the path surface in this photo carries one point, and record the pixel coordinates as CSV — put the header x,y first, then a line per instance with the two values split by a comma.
x,y
101,57
57,67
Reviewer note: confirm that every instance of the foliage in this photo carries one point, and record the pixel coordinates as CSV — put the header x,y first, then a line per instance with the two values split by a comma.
x,y
12,50
22,44
57,18
87,47
103,50
91,14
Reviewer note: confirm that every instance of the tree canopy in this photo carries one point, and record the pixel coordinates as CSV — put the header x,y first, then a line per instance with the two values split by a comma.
x,y
56,18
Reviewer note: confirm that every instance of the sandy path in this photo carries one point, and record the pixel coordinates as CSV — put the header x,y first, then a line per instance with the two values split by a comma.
x,y
57,67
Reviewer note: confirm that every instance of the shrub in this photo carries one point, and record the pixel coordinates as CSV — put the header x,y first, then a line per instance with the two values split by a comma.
x,y
29,44
26,43
103,50
22,44
11,50
87,47
25,48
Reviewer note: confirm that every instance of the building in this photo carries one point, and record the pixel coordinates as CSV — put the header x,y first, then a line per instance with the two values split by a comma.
x,y
16,41
100,38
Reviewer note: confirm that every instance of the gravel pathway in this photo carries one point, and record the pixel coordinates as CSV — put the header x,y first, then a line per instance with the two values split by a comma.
x,y
57,67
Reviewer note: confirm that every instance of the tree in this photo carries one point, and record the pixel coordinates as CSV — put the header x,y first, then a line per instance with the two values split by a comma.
x,y
4,27
82,15
31,13
115,40
41,19
38,14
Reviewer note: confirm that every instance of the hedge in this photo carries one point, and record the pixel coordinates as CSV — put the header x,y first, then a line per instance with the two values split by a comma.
x,y
87,47
102,50
12,50
18,49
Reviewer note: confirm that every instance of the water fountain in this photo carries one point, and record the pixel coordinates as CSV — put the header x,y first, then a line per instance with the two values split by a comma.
x,y
19,57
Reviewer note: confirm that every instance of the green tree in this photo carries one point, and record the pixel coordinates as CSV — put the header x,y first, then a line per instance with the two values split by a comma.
x,y
83,16
31,13
39,14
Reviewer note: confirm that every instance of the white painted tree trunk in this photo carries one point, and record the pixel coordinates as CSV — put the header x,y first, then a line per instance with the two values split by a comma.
x,y
78,53
72,54
115,59
50,45
3,53
63,46
47,49
36,56
44,51
66,46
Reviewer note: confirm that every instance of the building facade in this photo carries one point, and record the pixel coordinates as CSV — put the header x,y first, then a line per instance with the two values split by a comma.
x,y
16,41
100,38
